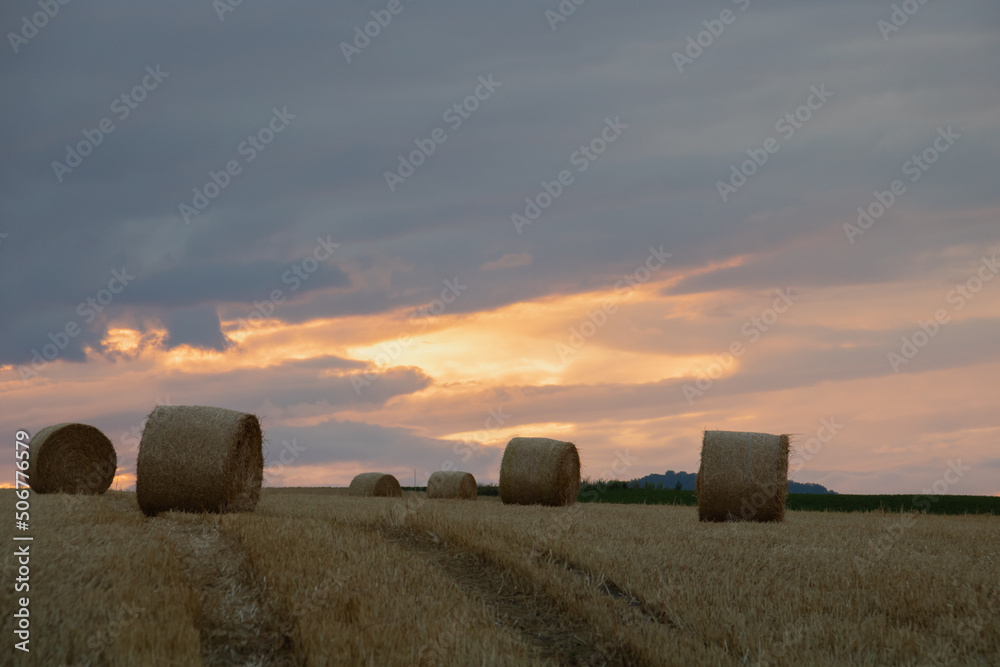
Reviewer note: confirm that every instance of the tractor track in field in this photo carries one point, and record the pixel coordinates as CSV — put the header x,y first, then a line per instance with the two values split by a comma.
x,y
237,622
611,589
642,609
517,602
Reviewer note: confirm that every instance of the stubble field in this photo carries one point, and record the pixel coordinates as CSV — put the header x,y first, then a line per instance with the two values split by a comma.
x,y
314,577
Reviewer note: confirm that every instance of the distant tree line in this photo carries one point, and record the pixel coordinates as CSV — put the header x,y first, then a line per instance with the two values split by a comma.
x,y
685,481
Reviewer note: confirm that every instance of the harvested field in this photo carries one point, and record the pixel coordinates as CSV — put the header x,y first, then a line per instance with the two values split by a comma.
x,y
317,577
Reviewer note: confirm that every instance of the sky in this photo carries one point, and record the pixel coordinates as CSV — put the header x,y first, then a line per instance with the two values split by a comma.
x,y
402,232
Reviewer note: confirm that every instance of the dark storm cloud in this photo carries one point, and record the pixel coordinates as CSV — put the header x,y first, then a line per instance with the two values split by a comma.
x,y
198,327
323,173
195,284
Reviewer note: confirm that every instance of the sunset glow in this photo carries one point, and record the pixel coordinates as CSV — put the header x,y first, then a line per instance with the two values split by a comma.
x,y
603,251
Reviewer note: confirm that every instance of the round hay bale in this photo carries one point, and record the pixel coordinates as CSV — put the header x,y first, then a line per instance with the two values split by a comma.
x,y
742,476
71,458
372,484
452,484
539,471
194,458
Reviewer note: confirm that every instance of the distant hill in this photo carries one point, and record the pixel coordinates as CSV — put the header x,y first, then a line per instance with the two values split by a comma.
x,y
669,480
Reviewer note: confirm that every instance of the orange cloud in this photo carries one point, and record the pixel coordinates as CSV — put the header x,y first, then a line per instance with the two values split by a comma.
x,y
122,340
601,368
553,340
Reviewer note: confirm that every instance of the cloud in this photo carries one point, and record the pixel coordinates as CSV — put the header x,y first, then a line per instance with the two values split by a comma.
x,y
507,261
194,284
198,327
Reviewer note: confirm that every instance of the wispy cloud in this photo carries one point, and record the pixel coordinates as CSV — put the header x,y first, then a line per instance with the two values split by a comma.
x,y
508,261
